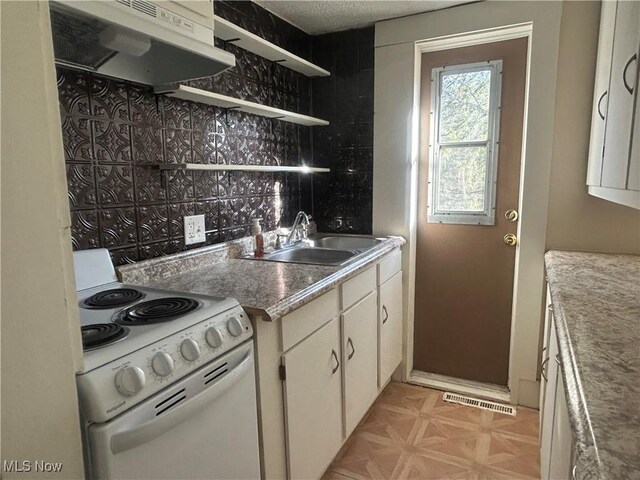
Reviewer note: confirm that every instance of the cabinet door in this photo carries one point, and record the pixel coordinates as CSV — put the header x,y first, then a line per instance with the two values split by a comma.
x,y
544,357
601,90
390,327
562,438
546,435
313,402
360,359
622,86
634,159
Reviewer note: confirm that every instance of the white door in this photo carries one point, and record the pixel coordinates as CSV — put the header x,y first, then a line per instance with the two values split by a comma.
x,y
360,359
313,402
622,86
390,327
202,427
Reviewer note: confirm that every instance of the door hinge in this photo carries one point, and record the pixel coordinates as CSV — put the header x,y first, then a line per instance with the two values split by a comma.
x,y
283,372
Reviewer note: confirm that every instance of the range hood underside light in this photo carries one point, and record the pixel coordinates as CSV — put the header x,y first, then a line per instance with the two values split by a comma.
x,y
84,42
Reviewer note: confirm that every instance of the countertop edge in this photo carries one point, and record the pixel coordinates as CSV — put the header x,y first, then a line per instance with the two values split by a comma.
x,y
289,304
591,459
585,444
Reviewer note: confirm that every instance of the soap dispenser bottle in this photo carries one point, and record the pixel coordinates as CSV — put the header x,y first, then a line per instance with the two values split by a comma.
x,y
258,239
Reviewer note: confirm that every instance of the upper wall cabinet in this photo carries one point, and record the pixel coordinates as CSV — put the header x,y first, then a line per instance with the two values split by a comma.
x,y
614,153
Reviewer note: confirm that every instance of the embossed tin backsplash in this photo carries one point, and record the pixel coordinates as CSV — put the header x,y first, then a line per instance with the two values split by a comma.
x,y
114,132
342,200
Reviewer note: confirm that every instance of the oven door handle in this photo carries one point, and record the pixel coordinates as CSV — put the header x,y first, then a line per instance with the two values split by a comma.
x,y
147,431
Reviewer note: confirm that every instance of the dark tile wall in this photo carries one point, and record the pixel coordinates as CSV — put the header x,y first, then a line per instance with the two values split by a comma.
x,y
342,200
115,132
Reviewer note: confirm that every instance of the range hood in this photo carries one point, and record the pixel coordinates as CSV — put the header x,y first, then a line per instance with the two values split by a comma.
x,y
142,41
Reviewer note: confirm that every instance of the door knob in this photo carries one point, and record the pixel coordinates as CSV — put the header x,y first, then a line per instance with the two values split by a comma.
x,y
511,215
510,239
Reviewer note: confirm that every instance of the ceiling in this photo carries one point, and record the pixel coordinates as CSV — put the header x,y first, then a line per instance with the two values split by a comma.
x,y
323,16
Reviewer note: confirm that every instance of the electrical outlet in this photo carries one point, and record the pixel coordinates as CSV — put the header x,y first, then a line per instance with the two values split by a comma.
x,y
194,229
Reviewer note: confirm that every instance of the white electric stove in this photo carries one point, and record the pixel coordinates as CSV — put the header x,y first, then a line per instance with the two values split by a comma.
x,y
161,367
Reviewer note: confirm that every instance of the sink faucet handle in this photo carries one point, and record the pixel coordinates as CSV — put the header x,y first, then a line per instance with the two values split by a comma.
x,y
279,244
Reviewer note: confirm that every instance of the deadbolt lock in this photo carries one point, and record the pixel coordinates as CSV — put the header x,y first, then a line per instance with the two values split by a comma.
x,y
510,239
511,215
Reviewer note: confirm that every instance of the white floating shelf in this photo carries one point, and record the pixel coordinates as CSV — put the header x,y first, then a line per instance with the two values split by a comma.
x,y
230,32
203,96
242,168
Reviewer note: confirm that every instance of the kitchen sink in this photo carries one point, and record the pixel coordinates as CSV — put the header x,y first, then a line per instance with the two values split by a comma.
x,y
341,242
311,255
322,249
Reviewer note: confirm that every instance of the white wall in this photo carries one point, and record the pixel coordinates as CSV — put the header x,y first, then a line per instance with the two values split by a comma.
x,y
41,346
395,161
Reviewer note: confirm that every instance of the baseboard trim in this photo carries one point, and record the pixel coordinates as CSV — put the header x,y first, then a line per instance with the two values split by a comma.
x,y
489,391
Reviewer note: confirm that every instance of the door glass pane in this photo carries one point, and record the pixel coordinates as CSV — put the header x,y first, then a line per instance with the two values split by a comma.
x,y
464,106
461,181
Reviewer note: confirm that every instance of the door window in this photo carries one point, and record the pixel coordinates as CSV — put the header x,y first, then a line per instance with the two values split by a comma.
x,y
463,157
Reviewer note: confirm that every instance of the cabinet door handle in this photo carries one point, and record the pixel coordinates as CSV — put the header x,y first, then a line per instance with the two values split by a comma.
x,y
557,359
542,367
386,314
335,357
353,349
624,73
600,103
573,472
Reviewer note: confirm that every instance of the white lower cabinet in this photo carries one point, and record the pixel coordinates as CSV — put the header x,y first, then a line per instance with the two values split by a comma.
x,y
360,359
335,351
556,437
390,327
313,402
562,438
547,409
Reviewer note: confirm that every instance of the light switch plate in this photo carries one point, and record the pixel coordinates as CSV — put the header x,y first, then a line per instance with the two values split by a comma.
x,y
194,229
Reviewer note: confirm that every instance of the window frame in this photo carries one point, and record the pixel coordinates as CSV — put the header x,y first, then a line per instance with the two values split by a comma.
x,y
487,215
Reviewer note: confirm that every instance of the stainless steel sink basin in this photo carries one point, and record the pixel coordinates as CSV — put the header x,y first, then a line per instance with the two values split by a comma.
x,y
311,255
345,242
322,249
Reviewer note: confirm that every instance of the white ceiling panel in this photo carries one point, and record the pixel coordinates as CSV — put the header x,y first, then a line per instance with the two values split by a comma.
x,y
323,16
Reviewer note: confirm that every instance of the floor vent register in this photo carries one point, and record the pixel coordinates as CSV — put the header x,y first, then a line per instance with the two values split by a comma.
x,y
479,403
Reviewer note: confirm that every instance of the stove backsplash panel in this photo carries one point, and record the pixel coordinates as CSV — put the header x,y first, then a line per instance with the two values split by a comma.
x,y
116,133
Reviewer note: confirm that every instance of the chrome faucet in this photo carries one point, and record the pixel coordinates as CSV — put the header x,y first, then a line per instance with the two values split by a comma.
x,y
302,219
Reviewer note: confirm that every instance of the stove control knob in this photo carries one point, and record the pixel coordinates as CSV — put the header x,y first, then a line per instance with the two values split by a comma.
x,y
162,364
235,326
190,350
213,337
130,380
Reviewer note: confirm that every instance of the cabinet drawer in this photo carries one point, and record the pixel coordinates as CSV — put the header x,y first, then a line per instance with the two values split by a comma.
x,y
308,318
358,287
389,266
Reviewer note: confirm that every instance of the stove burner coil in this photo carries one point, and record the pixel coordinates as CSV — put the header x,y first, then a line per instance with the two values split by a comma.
x,y
157,311
115,297
101,334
